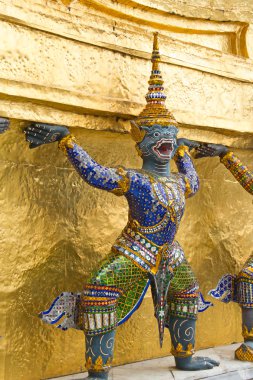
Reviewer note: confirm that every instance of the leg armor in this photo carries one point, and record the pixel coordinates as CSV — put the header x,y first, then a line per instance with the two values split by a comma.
x,y
183,295
183,302
183,299
97,317
244,287
99,354
108,298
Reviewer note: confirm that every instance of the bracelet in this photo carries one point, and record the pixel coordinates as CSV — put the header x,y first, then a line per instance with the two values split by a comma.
x,y
66,142
179,352
226,156
181,150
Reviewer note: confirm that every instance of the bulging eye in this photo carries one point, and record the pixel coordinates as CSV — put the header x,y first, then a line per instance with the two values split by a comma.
x,y
156,134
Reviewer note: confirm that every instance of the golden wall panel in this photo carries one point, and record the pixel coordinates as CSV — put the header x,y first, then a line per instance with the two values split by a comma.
x,y
75,64
55,228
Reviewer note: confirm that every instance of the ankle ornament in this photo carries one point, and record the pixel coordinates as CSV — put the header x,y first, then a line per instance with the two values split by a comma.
x,y
99,365
179,352
244,353
247,334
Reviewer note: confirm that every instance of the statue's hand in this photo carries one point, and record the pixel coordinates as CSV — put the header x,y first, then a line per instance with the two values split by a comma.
x,y
4,124
210,150
38,134
190,143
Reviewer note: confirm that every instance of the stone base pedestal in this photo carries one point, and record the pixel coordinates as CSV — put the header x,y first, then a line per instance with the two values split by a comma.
x,y
163,368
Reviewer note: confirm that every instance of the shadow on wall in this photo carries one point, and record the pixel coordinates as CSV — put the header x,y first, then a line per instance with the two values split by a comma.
x,y
36,293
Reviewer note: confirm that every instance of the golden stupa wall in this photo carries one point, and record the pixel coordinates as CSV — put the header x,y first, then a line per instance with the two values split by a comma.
x,y
85,64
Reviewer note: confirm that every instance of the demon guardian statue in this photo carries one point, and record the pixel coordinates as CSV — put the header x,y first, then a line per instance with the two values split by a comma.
x,y
231,287
146,252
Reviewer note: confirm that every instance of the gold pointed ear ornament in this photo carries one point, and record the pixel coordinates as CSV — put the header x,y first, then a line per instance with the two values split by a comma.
x,y
138,150
155,111
137,133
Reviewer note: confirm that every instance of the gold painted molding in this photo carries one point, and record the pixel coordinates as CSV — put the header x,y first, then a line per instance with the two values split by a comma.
x,y
180,53
159,19
185,66
218,10
123,45
229,37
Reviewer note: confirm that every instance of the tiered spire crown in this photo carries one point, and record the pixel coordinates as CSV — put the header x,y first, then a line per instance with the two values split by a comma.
x,y
155,111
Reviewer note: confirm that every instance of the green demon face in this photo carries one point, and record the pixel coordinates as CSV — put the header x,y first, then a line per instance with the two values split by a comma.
x,y
159,143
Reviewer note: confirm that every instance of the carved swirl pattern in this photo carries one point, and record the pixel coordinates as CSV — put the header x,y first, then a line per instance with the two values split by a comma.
x,y
183,331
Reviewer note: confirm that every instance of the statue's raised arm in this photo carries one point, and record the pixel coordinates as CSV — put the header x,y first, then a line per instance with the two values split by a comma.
x,y
185,165
241,172
110,179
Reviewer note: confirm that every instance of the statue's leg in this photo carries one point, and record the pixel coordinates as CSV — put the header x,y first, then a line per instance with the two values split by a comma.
x,y
244,283
183,307
97,317
99,354
109,295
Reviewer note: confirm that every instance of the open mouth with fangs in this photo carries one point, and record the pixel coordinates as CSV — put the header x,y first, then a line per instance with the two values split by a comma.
x,y
164,148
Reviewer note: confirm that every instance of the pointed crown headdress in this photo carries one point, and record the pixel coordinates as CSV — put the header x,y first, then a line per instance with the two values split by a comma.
x,y
155,111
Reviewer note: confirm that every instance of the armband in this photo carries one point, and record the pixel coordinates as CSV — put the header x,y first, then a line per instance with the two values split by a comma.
x,y
123,183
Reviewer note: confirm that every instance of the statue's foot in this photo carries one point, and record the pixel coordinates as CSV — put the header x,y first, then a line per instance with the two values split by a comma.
x,y
197,363
244,353
97,376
